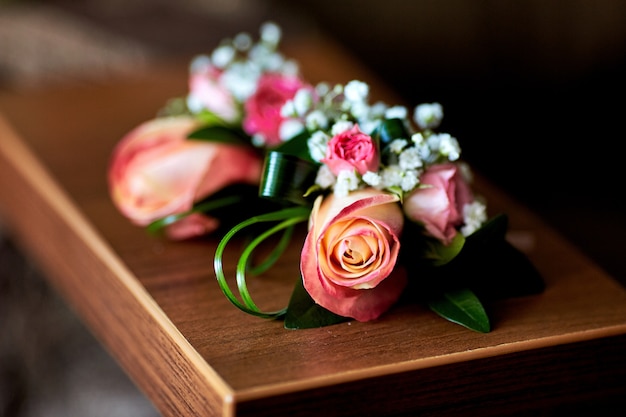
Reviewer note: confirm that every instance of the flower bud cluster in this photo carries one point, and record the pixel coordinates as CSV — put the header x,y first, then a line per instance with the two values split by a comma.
x,y
339,108
236,65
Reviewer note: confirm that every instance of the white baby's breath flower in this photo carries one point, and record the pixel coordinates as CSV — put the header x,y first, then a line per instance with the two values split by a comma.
x,y
372,178
396,112
318,143
356,91
474,215
346,181
303,101
417,138
266,58
316,120
194,104
325,178
378,109
368,126
360,110
410,159
449,146
222,56
397,145
271,33
258,140
410,180
290,67
243,41
428,115
341,126
322,89
199,63
288,109
290,128
425,152
241,79
391,176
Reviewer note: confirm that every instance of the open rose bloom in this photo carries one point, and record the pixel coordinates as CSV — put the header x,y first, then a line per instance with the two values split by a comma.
x,y
263,110
348,262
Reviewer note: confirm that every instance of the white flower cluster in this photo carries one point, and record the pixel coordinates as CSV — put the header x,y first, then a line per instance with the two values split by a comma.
x,y
337,109
242,62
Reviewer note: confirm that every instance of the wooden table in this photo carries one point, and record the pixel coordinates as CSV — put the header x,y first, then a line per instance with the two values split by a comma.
x,y
156,307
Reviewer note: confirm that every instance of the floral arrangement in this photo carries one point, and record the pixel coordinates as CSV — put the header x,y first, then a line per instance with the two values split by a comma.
x,y
387,202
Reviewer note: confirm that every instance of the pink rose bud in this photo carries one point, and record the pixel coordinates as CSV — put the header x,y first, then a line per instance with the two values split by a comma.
x,y
439,206
263,109
206,93
348,262
351,150
155,171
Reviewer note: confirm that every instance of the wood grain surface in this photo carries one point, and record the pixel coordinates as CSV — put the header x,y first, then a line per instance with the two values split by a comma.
x,y
156,307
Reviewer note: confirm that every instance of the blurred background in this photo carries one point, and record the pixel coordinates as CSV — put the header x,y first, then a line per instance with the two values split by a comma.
x,y
533,90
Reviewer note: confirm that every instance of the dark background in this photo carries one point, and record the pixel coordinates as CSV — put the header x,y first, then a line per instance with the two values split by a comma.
x,y
533,90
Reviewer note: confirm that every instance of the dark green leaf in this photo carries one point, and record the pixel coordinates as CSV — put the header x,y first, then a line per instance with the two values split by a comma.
x,y
220,134
211,119
391,129
440,254
296,146
304,313
461,307
287,178
203,207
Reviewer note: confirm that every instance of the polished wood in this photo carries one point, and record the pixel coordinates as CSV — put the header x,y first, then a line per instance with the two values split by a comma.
x,y
156,307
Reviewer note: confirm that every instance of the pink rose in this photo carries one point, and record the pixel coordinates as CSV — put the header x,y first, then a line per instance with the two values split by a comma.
x,y
262,109
349,255
155,171
351,150
206,91
439,207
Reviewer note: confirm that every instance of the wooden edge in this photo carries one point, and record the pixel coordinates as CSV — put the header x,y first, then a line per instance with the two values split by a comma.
x,y
51,229
587,376
409,366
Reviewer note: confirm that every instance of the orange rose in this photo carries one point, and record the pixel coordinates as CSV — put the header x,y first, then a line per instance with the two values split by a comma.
x,y
348,262
155,171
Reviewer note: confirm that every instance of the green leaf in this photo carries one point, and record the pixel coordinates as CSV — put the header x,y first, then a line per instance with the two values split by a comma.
x,y
492,231
221,134
461,307
287,178
287,218
304,313
204,207
391,129
440,254
211,119
297,146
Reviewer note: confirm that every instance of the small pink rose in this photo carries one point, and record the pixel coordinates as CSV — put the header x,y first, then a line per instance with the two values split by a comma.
x,y
439,206
155,171
206,91
351,150
348,261
263,109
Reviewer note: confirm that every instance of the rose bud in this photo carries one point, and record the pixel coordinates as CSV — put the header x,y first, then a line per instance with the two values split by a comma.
x,y
156,171
439,205
351,150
